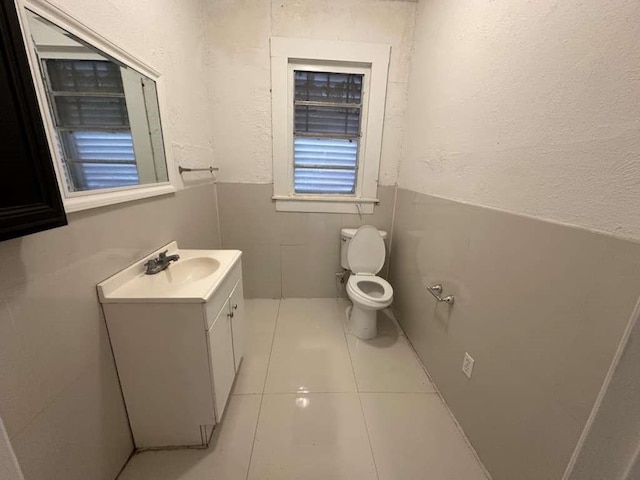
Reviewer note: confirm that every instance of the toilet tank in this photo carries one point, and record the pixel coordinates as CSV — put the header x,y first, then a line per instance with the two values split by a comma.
x,y
346,234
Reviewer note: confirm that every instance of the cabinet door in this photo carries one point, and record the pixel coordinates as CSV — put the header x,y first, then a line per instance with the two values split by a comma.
x,y
29,196
221,358
236,303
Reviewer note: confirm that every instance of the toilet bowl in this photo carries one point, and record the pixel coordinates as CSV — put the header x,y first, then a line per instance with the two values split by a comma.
x,y
369,293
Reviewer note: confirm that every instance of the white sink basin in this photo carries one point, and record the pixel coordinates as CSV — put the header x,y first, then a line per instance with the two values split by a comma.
x,y
192,278
190,269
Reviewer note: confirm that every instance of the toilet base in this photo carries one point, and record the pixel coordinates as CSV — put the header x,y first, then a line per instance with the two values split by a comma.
x,y
363,322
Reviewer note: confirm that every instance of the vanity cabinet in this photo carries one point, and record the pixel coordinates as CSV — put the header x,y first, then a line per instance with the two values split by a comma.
x,y
236,305
220,341
226,345
177,358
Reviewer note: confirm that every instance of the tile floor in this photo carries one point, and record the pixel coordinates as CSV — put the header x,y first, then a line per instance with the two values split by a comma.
x,y
312,401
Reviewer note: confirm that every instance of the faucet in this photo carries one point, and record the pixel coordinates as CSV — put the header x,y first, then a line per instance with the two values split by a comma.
x,y
156,265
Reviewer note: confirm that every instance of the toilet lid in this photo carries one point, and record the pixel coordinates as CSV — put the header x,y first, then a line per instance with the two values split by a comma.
x,y
366,251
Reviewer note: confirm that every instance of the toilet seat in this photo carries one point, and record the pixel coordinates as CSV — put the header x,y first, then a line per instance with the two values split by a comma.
x,y
366,251
356,287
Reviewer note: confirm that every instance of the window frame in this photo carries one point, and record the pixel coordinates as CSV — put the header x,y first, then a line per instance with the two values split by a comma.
x,y
82,200
289,54
335,68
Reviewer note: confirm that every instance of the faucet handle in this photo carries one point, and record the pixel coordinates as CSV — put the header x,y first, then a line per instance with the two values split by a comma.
x,y
163,255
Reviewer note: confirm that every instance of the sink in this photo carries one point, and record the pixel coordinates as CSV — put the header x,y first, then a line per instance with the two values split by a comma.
x,y
190,269
192,278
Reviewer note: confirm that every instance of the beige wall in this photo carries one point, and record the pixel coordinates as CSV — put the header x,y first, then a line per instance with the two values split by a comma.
x,y
9,468
59,394
289,254
541,307
612,447
238,34
529,107
60,398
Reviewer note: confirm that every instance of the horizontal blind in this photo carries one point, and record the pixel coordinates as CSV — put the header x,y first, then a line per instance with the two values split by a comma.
x,y
327,118
118,170
91,117
325,165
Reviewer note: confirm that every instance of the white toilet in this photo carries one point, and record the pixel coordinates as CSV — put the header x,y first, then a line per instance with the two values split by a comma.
x,y
363,253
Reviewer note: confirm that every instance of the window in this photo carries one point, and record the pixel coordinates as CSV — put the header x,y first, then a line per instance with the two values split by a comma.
x,y
90,115
326,132
328,108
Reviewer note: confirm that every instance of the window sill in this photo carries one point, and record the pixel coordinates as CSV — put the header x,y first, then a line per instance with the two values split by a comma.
x,y
318,204
95,200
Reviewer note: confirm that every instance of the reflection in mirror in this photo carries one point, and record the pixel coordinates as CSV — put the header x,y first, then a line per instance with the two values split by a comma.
x,y
105,114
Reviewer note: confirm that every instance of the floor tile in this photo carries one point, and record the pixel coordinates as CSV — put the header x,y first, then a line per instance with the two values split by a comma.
x,y
227,457
307,364
309,351
309,317
387,364
414,437
313,436
261,314
261,317
296,349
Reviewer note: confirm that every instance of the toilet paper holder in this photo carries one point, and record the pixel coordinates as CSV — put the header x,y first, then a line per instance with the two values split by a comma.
x,y
436,291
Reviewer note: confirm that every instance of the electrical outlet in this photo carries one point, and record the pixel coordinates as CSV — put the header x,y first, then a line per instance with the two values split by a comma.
x,y
467,365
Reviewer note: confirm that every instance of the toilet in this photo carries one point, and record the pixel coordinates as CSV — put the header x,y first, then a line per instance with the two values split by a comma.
x,y
363,253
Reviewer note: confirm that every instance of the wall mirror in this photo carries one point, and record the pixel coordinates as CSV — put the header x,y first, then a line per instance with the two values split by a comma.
x,y
103,113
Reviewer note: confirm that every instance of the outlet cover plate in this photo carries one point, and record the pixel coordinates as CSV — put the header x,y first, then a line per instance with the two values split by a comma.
x,y
467,364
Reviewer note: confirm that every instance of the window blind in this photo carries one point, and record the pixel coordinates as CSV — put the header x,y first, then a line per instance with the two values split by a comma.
x,y
90,113
327,130
92,148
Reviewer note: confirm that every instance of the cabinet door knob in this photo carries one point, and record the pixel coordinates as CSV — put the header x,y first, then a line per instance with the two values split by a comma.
x,y
230,315
235,307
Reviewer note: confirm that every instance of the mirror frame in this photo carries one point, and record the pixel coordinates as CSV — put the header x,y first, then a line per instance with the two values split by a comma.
x,y
83,200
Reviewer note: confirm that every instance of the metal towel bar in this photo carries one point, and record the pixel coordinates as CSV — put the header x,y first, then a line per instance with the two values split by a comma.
x,y
181,169
436,291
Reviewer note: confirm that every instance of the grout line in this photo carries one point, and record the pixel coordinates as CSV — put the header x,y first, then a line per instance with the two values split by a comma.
x,y
340,392
281,280
273,340
394,392
218,214
364,419
255,430
393,226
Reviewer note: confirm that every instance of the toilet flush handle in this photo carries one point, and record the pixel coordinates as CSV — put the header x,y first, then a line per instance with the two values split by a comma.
x,y
436,291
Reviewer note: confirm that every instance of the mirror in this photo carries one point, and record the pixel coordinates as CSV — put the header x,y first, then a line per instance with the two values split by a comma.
x,y
105,114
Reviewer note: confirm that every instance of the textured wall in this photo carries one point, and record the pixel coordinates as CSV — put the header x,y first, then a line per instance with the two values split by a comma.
x,y
239,32
530,107
60,398
541,307
169,36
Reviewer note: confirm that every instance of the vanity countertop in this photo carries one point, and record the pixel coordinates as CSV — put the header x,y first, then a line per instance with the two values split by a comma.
x,y
192,279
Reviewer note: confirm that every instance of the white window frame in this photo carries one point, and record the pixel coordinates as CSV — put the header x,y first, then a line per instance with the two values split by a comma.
x,y
83,200
371,59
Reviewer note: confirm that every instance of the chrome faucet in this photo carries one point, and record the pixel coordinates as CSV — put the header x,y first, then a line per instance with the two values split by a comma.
x,y
156,265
